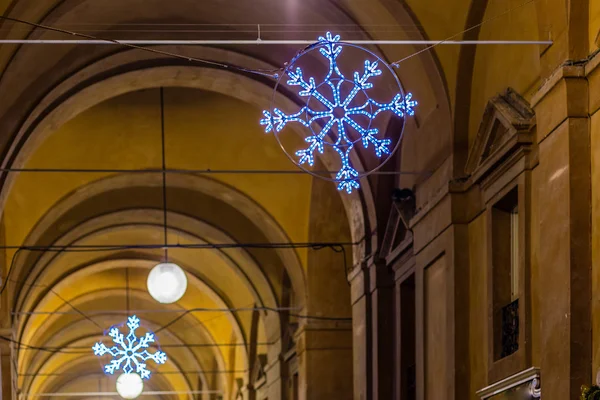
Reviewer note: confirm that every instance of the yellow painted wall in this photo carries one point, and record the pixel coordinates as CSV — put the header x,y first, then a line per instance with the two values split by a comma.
x,y
595,150
536,290
594,25
440,21
500,66
203,130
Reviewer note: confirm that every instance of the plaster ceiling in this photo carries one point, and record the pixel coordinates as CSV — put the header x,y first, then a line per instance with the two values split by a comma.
x,y
97,107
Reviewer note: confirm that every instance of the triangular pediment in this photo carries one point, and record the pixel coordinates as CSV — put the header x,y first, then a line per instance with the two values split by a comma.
x,y
397,233
258,370
506,124
288,342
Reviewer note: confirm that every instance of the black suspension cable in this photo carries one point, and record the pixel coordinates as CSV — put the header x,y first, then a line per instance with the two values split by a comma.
x,y
268,309
84,315
449,38
99,248
184,313
164,168
86,349
191,372
206,171
127,290
213,246
274,73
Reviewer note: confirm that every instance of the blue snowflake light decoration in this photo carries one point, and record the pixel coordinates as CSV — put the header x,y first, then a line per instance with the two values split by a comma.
x,y
338,113
129,352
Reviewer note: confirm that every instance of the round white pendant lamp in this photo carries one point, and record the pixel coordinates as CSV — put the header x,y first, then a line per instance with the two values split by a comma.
x,y
129,386
167,283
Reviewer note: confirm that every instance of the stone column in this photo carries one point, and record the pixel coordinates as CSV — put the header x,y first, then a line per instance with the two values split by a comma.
x,y
564,184
373,331
361,331
324,351
274,368
274,382
381,290
6,389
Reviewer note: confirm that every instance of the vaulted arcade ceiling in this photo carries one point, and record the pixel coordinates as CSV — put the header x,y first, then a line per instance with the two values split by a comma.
x,y
82,108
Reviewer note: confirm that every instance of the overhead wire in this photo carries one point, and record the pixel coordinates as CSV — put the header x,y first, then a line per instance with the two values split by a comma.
x,y
269,309
86,349
158,372
84,315
164,174
127,307
485,21
184,313
113,247
273,73
338,247
348,25
207,171
67,249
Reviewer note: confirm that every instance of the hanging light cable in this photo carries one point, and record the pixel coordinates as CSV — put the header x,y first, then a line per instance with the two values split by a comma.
x,y
164,169
167,281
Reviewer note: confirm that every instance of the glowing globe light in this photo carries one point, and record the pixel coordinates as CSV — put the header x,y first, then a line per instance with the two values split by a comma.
x,y
167,283
129,386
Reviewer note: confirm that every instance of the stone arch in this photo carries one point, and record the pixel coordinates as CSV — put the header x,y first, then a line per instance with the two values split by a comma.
x,y
80,92
218,191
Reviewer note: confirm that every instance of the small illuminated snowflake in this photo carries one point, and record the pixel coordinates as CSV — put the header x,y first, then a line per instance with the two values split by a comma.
x,y
128,352
338,112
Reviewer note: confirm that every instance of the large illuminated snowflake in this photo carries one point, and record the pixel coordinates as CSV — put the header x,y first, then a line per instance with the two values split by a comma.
x,y
338,113
129,351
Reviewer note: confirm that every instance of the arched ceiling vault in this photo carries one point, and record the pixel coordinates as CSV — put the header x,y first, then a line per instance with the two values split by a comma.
x,y
59,268
87,91
96,107
424,75
39,329
80,92
91,209
61,272
177,375
57,94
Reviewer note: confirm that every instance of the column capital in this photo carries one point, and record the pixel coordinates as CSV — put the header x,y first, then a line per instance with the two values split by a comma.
x,y
380,275
564,95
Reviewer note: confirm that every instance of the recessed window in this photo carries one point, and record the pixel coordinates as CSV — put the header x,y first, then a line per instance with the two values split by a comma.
x,y
514,253
506,265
